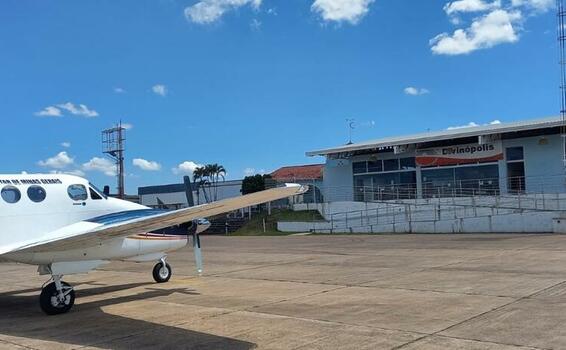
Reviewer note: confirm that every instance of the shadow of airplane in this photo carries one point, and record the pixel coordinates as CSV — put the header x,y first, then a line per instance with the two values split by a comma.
x,y
88,325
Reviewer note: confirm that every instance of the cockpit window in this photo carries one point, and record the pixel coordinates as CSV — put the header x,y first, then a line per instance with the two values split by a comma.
x,y
77,192
11,194
93,194
99,192
36,194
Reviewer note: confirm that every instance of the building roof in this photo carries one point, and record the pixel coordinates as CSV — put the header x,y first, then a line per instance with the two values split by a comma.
x,y
443,135
299,172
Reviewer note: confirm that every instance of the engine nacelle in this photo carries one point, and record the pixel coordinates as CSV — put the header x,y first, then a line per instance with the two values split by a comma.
x,y
197,226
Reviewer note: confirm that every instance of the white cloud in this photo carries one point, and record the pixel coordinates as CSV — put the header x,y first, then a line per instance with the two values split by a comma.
x,y
59,161
146,164
249,171
80,110
127,126
76,172
119,90
209,11
538,5
49,111
185,168
255,24
102,165
66,144
414,91
497,27
470,6
159,89
351,11
469,125
474,124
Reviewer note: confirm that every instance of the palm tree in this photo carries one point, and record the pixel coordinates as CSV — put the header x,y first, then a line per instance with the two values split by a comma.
x,y
216,172
200,177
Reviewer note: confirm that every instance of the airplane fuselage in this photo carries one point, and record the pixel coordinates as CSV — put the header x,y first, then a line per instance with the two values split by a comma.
x,y
33,206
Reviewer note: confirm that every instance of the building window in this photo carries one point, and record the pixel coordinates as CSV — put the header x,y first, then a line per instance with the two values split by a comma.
x,y
515,169
10,194
375,166
408,163
360,167
514,154
461,181
77,192
391,164
36,194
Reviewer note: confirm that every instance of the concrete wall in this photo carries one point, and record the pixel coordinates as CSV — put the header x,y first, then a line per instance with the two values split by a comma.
x,y
338,180
544,169
529,222
440,215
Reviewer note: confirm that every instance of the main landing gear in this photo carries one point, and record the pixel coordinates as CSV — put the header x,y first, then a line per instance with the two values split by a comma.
x,y
162,271
57,297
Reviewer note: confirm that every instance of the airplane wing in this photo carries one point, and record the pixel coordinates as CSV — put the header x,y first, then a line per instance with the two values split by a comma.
x,y
98,230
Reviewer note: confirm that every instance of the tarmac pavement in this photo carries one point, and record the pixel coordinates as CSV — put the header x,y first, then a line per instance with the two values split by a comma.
x,y
310,292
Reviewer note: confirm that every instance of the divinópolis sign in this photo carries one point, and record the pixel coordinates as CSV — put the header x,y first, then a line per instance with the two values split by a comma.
x,y
460,154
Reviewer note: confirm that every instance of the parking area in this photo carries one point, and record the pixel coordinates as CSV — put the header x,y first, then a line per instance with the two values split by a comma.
x,y
311,292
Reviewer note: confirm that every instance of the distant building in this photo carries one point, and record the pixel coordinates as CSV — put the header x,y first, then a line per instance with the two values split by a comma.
x,y
175,196
311,175
517,157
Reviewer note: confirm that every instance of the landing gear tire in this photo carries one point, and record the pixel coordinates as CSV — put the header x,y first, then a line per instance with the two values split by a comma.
x,y
52,303
162,272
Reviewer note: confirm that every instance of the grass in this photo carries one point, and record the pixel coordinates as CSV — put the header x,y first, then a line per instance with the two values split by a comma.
x,y
254,227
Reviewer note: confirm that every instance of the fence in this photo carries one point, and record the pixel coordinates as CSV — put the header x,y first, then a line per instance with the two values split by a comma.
x,y
440,189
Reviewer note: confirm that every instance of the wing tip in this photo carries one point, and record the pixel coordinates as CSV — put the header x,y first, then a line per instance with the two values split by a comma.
x,y
300,188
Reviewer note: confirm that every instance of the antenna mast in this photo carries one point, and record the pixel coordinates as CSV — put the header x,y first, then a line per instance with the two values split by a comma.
x,y
561,14
113,146
351,125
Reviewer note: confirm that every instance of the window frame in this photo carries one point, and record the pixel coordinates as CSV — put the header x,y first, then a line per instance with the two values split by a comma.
x,y
81,199
10,187
36,187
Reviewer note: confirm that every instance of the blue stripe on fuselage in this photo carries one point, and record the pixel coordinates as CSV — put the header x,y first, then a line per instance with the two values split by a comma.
x,y
122,216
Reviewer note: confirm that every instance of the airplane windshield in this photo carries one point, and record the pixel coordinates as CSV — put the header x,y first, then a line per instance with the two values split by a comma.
x,y
97,190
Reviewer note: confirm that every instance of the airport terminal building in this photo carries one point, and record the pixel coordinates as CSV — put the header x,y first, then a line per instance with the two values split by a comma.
x,y
518,157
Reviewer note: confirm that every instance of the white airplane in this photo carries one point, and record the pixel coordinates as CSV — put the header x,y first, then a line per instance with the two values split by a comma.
x,y
65,225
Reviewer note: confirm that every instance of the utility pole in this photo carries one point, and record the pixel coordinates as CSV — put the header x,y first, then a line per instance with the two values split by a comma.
x,y
113,146
561,15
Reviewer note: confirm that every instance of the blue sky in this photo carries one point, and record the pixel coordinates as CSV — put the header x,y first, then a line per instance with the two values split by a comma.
x,y
253,84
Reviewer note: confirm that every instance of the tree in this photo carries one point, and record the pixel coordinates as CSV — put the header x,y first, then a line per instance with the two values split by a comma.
x,y
200,177
207,177
254,183
217,172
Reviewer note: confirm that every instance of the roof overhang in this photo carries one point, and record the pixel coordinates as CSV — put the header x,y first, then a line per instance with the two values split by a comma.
x,y
483,132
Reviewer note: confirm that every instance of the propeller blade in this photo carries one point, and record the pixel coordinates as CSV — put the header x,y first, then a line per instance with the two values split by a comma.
x,y
198,255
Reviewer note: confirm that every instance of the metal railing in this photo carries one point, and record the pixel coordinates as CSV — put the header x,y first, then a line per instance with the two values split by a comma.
x,y
444,189
437,209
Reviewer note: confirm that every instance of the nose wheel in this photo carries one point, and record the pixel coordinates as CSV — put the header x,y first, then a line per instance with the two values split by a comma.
x,y
57,297
162,271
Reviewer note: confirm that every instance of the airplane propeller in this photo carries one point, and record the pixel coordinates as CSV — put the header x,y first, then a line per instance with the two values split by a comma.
x,y
199,226
197,252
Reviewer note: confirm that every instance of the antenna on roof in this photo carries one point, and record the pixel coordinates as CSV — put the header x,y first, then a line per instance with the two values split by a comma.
x,y
351,125
561,14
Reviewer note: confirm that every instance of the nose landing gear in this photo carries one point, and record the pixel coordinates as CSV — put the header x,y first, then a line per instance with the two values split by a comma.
x,y
162,271
57,297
